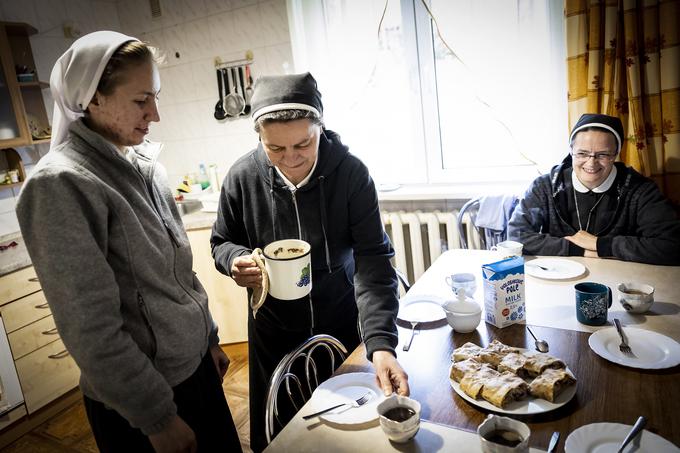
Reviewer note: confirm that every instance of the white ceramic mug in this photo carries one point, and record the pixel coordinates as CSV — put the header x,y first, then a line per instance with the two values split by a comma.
x,y
508,248
289,266
465,281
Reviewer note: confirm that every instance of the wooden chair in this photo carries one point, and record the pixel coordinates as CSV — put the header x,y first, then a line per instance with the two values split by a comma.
x,y
300,368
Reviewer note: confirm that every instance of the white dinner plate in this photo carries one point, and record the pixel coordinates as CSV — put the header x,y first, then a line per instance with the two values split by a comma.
x,y
346,388
421,308
651,350
555,268
529,405
606,438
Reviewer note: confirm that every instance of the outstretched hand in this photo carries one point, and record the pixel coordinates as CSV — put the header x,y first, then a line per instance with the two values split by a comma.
x,y
390,375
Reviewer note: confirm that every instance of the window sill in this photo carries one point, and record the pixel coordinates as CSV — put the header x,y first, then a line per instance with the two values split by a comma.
x,y
461,191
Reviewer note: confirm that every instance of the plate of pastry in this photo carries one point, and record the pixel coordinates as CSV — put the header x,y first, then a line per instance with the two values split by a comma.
x,y
510,380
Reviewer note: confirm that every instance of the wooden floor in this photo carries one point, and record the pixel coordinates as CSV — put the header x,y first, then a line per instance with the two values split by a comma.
x,y
69,431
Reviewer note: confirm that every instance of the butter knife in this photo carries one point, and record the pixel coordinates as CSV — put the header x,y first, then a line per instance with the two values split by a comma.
x,y
552,446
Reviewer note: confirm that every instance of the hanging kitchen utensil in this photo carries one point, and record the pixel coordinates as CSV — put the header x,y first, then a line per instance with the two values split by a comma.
x,y
238,78
249,85
231,100
220,114
244,77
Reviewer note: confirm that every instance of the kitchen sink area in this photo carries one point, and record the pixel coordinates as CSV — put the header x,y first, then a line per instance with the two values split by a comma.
x,y
188,206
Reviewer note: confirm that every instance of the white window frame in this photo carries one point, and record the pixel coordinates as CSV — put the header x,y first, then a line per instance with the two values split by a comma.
x,y
419,34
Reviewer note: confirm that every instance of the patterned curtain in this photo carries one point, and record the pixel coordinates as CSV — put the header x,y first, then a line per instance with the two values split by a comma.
x,y
623,59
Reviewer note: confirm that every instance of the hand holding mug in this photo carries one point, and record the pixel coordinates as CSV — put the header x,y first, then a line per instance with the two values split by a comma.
x,y
245,272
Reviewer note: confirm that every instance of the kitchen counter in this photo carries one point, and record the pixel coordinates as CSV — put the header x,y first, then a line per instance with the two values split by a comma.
x,y
199,220
13,258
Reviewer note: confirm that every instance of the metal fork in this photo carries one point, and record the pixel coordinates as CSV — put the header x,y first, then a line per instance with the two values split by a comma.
x,y
407,346
358,402
623,347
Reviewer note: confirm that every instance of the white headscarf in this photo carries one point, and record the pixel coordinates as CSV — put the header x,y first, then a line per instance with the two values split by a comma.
x,y
75,77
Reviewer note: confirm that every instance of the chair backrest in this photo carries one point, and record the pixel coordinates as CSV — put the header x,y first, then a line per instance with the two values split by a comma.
x,y
300,367
487,237
470,209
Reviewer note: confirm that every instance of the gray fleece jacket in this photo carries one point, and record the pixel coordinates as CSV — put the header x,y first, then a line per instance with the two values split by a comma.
x,y
115,264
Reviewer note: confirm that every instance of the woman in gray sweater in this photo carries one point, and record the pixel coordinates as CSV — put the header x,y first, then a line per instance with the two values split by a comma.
x,y
114,261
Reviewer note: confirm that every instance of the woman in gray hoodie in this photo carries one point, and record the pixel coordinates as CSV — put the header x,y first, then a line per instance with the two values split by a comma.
x,y
114,261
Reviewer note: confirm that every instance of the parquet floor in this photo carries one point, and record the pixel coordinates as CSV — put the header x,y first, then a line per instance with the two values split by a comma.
x,y
69,431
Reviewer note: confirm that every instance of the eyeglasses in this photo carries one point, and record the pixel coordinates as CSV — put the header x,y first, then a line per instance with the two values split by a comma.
x,y
601,157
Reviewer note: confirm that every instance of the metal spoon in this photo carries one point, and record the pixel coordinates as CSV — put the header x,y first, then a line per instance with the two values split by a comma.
x,y
541,345
639,425
407,346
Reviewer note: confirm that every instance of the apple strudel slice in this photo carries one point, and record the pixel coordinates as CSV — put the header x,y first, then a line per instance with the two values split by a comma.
x,y
514,363
467,351
459,369
473,382
495,352
504,389
536,364
550,383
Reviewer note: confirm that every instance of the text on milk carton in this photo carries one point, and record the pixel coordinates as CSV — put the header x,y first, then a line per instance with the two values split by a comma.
x,y
504,291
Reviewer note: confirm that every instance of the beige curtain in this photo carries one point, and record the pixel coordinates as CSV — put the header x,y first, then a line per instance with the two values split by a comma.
x,y
623,59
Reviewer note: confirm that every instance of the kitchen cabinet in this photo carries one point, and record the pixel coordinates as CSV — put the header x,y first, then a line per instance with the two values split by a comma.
x,y
46,370
227,301
23,110
23,118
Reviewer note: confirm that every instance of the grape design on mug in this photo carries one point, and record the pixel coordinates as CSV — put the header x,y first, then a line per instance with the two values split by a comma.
x,y
304,277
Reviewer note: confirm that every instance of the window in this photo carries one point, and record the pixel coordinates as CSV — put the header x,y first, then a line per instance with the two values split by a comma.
x,y
486,103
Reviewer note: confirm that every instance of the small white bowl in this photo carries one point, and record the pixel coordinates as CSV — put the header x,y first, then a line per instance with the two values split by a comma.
x,y
636,297
463,322
399,431
496,423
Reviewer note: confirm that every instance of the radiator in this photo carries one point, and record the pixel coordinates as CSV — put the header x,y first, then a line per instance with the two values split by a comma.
x,y
419,238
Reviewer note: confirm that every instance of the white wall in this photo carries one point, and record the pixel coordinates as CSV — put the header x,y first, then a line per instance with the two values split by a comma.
x,y
199,31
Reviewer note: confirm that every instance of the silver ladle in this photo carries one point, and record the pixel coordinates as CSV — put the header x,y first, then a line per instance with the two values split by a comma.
x,y
541,345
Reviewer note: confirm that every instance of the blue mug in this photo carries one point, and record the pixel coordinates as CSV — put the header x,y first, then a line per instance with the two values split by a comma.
x,y
592,302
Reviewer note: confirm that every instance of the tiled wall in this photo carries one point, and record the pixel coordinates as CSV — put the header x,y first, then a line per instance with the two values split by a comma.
x,y
190,33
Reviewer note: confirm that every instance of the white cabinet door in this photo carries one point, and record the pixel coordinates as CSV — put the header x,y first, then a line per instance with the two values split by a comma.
x,y
228,301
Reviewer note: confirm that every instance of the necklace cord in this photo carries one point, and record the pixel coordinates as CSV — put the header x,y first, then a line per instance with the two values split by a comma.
x,y
578,214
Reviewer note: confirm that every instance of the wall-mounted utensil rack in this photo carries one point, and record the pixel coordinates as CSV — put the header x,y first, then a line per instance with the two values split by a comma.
x,y
235,89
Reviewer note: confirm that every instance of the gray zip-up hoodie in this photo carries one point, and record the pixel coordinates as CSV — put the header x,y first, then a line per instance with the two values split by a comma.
x,y
337,213
115,264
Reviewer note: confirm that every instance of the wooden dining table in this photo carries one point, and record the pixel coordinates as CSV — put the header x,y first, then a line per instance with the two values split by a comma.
x,y
605,392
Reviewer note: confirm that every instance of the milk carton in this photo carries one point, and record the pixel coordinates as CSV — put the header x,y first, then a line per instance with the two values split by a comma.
x,y
504,291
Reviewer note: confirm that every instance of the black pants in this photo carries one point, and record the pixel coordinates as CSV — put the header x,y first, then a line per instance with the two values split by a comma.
x,y
267,344
200,403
